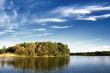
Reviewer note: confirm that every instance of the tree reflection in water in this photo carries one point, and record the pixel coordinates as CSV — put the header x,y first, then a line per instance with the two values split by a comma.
x,y
38,64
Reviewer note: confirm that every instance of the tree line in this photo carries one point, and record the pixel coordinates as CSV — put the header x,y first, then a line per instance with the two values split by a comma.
x,y
97,53
38,49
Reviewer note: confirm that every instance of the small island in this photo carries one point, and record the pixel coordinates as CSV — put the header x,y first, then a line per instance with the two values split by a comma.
x,y
36,49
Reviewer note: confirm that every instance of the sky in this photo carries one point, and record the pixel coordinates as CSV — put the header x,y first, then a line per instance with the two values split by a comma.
x,y
82,24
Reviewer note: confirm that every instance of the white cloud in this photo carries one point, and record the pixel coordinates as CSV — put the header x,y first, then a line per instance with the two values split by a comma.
x,y
2,2
98,39
87,18
11,2
41,35
40,29
82,12
94,18
45,34
8,22
60,27
44,20
15,13
43,24
31,33
6,31
67,11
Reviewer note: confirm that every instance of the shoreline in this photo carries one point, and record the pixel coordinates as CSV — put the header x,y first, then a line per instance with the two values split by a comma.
x,y
8,55
89,55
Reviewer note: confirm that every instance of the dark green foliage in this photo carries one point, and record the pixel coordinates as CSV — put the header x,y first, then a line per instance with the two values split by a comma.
x,y
97,53
10,49
40,49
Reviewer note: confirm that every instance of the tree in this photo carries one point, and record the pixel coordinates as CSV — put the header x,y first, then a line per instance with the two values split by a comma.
x,y
40,49
3,50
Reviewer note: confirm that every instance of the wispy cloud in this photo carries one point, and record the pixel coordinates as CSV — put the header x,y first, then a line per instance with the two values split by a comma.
x,y
41,35
94,18
60,27
6,31
45,20
82,12
69,10
2,2
7,21
45,34
27,33
40,29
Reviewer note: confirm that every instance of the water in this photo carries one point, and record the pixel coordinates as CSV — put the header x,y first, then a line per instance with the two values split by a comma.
x,y
72,64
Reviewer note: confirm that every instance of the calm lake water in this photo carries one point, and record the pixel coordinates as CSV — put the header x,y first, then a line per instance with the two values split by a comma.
x,y
72,64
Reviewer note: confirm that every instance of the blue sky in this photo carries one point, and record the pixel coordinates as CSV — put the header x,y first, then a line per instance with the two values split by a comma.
x,y
83,25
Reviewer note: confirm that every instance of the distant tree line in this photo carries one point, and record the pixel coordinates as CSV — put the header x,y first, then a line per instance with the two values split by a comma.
x,y
97,53
38,49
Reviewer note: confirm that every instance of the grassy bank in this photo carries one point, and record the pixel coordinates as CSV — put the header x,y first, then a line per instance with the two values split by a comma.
x,y
5,55
8,55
